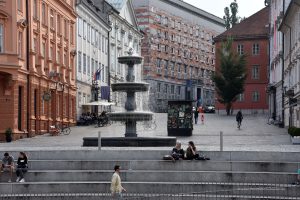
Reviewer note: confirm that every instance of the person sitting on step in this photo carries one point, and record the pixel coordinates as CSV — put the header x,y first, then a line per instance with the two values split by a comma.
x,y
22,167
191,153
177,152
7,164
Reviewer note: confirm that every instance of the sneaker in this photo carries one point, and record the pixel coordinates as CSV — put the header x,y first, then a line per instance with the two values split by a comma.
x,y
18,179
9,180
22,180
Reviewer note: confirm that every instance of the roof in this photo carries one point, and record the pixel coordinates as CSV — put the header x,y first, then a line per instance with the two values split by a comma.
x,y
197,11
117,4
288,12
255,26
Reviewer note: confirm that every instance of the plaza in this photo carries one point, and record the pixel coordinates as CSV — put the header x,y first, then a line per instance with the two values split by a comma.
x,y
255,135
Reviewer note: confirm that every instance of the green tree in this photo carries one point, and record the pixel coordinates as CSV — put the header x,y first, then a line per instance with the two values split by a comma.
x,y
231,19
230,78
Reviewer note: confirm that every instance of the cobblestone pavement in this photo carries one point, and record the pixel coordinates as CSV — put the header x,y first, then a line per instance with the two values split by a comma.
x,y
255,135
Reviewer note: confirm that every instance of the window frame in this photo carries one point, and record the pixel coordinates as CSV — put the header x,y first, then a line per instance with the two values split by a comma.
x,y
1,38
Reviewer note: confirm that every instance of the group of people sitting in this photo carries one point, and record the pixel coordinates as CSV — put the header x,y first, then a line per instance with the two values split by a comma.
x,y
191,153
8,165
92,118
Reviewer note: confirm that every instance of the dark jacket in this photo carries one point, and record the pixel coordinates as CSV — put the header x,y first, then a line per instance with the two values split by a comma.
x,y
239,116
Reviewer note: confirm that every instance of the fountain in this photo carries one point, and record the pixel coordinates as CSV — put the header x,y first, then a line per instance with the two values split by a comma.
x,y
130,116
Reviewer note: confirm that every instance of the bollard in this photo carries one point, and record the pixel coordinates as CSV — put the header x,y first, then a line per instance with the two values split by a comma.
x,y
99,140
221,140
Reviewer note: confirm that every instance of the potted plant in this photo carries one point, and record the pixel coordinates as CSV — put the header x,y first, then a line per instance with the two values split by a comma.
x,y
8,135
295,134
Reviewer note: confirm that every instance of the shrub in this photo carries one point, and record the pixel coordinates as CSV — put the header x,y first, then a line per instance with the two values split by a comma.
x,y
294,131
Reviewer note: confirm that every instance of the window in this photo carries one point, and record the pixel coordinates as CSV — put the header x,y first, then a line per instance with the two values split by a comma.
x,y
51,18
58,56
43,53
99,43
51,53
72,34
103,72
58,24
255,49
158,63
43,13
84,29
93,67
1,39
158,87
255,72
240,49
172,89
20,5
103,43
80,27
20,44
241,97
88,33
178,90
79,61
66,29
106,44
88,65
34,45
84,63
166,88
65,59
35,9
255,96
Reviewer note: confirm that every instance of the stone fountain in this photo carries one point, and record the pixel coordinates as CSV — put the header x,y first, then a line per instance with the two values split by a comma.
x,y
130,116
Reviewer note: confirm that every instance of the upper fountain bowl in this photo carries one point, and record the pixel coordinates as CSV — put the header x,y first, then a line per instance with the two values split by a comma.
x,y
130,60
130,87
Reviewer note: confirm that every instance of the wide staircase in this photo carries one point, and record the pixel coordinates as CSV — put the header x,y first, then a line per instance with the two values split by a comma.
x,y
84,175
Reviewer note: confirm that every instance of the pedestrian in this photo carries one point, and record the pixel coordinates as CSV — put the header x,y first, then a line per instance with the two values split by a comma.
x,y
196,114
116,186
7,164
201,111
22,167
239,118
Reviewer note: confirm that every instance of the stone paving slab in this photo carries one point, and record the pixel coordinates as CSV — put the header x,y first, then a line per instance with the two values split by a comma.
x,y
255,135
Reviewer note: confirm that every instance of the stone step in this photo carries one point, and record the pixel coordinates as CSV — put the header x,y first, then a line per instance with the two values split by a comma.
x,y
250,189
107,196
156,155
158,176
180,165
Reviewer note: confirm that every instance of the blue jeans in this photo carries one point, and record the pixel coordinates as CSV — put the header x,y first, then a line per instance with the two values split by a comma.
x,y
118,196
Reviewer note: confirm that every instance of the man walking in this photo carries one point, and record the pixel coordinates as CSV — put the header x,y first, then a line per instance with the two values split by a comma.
x,y
239,118
116,186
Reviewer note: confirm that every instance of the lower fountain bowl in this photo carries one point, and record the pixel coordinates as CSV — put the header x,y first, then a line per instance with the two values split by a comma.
x,y
133,115
130,141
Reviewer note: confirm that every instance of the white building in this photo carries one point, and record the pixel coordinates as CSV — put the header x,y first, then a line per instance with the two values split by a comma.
x,y
124,35
290,27
92,51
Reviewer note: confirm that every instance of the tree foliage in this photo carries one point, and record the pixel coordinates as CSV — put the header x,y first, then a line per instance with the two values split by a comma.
x,y
231,19
231,76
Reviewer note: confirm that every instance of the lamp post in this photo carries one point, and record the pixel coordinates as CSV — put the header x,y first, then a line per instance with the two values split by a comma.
x,y
95,91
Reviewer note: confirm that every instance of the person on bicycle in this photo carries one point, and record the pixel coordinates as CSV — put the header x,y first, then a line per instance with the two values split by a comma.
x,y
239,118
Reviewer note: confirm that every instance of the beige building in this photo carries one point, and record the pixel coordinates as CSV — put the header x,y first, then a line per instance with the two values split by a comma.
x,y
37,65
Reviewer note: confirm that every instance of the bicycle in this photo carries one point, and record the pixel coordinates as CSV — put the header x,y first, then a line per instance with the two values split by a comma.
x,y
60,130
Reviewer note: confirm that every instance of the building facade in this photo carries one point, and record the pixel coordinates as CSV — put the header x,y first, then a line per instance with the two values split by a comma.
x,y
251,38
290,28
276,72
92,53
179,54
37,65
124,35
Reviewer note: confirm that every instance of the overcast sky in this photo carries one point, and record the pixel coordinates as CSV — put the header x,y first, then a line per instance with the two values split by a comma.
x,y
216,7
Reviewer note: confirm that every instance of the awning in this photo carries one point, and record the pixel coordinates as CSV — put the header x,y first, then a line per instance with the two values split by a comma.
x,y
99,103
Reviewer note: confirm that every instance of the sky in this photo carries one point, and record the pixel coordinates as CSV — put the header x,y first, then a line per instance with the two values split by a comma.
x,y
216,7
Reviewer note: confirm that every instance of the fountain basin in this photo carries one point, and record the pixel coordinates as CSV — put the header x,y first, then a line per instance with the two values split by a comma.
x,y
130,87
131,115
130,141
131,60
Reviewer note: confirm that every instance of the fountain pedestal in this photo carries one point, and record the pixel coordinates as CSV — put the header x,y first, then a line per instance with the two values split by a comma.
x,y
130,116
